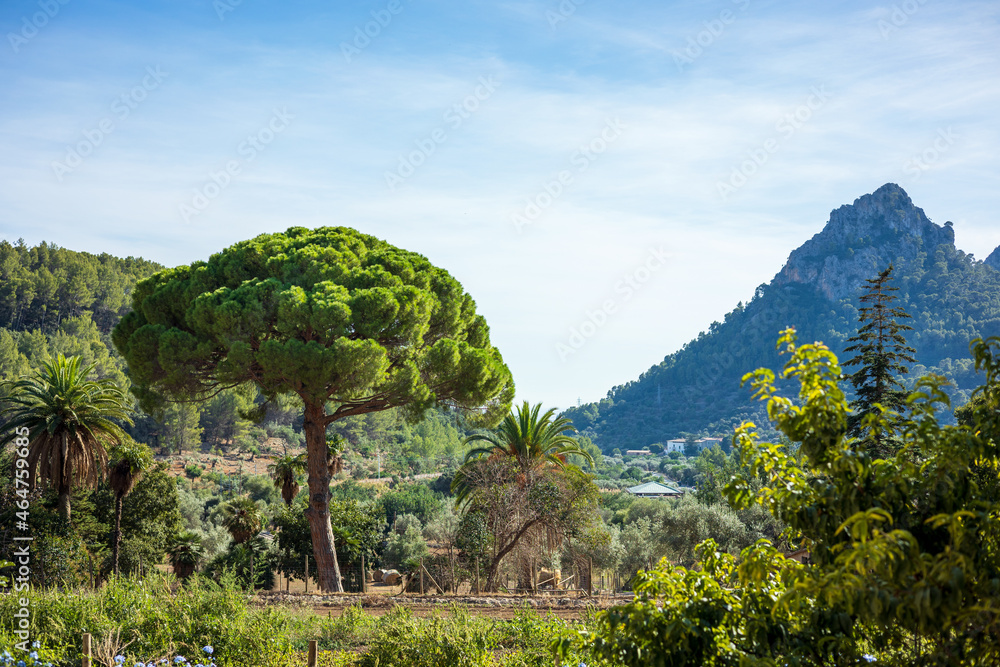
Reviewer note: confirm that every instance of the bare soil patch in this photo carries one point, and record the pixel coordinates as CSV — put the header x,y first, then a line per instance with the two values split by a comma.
x,y
566,606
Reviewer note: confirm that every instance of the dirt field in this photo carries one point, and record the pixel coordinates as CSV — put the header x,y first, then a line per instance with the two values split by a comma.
x,y
567,606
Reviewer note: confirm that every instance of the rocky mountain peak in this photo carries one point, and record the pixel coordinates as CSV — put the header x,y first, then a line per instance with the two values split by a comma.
x,y
861,239
994,259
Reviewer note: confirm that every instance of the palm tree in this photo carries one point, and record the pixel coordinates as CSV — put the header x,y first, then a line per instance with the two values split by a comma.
x,y
184,551
129,460
285,471
242,518
525,448
530,440
70,421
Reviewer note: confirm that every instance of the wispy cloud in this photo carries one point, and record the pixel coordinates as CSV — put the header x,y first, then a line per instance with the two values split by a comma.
x,y
655,186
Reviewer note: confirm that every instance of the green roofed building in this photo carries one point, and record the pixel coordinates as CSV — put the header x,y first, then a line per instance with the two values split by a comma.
x,y
655,490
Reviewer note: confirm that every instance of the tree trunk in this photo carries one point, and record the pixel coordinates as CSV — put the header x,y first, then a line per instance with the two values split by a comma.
x,y
64,508
118,530
318,513
491,577
65,483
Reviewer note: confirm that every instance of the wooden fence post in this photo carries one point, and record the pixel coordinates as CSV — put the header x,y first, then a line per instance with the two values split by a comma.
x,y
421,576
454,582
307,573
313,650
590,577
477,575
86,649
430,576
364,575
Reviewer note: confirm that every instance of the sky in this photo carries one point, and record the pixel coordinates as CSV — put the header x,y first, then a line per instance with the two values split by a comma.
x,y
606,179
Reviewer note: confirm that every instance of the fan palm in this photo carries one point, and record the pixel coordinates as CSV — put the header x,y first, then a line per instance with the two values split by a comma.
x,y
128,461
184,551
242,518
285,472
70,420
530,440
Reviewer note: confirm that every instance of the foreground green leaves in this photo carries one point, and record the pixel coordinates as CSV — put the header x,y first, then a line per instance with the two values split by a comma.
x,y
144,619
904,554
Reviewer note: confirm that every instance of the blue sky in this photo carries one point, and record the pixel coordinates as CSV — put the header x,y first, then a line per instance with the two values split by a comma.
x,y
606,179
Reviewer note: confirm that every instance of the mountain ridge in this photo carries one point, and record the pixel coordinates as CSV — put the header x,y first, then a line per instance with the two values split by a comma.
x,y
899,227
994,259
696,389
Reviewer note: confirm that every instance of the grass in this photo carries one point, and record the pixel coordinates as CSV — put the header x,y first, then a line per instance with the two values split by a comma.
x,y
146,620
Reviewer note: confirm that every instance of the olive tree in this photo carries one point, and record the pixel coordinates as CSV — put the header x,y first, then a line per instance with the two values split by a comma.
x,y
345,321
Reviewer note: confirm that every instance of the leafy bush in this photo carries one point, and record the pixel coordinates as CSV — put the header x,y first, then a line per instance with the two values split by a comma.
x,y
438,642
417,499
286,433
405,549
249,564
143,618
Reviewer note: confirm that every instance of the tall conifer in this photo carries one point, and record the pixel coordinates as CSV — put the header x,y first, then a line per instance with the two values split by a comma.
x,y
880,352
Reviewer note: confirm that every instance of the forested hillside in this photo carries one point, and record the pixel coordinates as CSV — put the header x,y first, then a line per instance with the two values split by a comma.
x,y
952,297
57,301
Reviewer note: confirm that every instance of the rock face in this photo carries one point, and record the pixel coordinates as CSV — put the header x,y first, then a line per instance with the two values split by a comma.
x,y
862,239
994,259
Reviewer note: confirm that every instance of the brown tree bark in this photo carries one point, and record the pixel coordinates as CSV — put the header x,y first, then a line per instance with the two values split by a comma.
x,y
64,505
65,485
491,577
318,513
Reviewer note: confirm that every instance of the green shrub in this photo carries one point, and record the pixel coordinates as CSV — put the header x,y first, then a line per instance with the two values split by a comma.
x,y
142,620
454,641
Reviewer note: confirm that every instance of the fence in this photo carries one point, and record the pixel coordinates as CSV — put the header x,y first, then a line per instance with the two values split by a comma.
x,y
441,576
453,576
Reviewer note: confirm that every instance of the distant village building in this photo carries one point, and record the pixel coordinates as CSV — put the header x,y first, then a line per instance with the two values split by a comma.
x,y
638,452
654,490
678,444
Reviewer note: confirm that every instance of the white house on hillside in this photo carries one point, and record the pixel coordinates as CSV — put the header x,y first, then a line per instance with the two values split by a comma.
x,y
708,443
676,445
